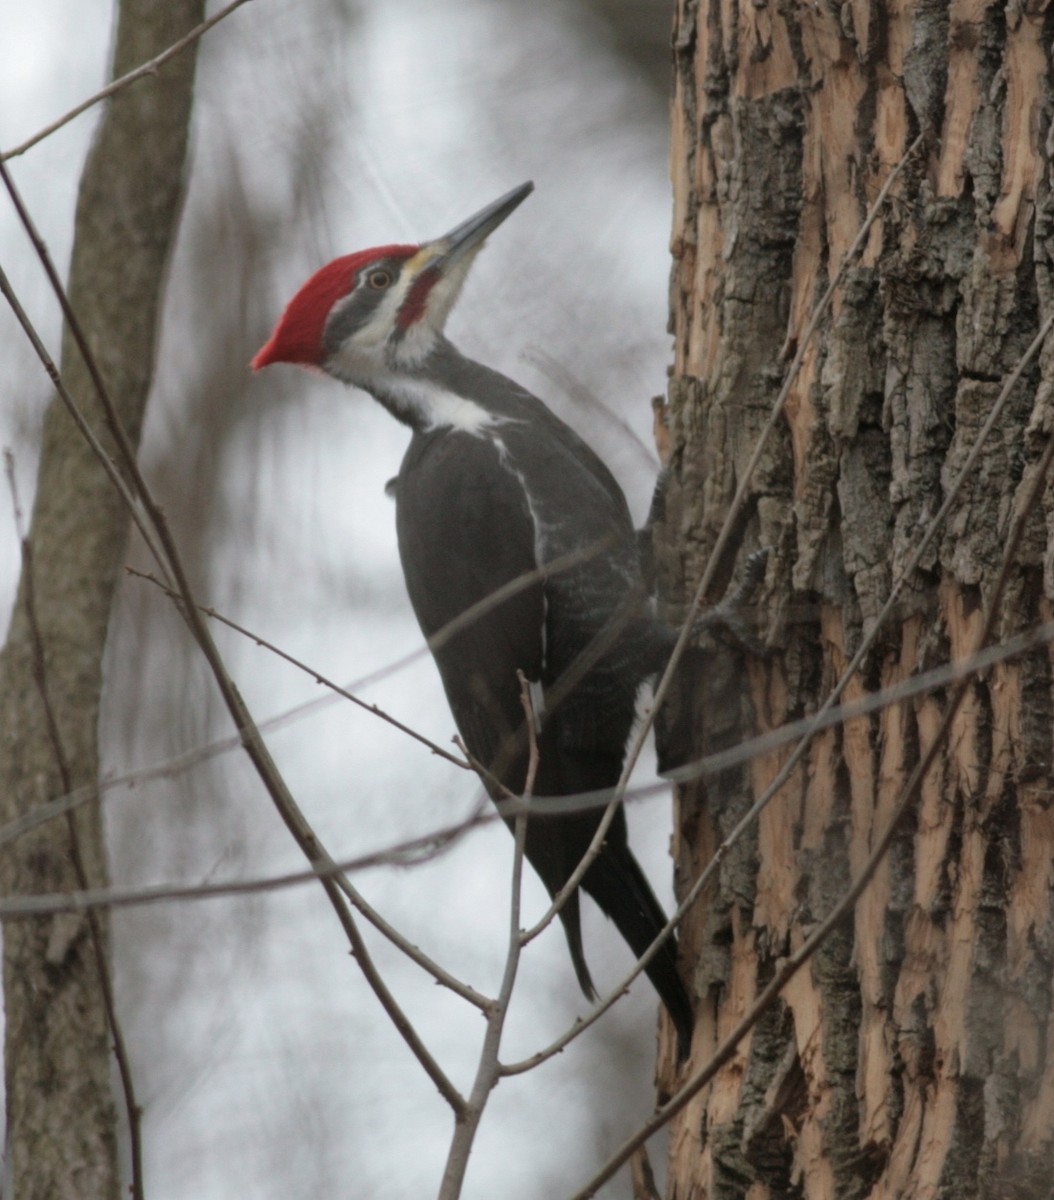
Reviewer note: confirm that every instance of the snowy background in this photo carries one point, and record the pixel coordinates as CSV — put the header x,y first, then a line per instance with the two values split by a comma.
x,y
266,1067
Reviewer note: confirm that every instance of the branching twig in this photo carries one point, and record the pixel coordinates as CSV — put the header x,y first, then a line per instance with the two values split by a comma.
x,y
425,846
170,767
488,1070
147,68
317,676
701,768
412,952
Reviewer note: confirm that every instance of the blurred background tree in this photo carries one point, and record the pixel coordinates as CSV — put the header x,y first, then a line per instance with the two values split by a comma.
x,y
60,1013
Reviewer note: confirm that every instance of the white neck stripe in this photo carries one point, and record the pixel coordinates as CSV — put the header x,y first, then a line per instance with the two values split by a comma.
x,y
430,406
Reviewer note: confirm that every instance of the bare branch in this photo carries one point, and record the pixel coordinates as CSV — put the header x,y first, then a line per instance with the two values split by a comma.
x,y
317,676
148,68
170,767
488,1071
426,846
132,897
582,664
531,717
438,973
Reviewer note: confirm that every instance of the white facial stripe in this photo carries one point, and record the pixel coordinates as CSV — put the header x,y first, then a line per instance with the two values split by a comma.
x,y
385,365
418,341
371,337
373,340
415,345
436,407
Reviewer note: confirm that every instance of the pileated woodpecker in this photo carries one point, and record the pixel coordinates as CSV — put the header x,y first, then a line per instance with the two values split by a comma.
x,y
493,489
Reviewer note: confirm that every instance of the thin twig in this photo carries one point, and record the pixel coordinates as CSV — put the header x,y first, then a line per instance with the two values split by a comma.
x,y
60,387
488,1070
425,846
412,952
102,964
842,909
531,717
584,662
700,768
148,68
317,676
171,767
157,893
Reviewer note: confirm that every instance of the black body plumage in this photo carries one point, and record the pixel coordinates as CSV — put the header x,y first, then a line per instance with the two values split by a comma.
x,y
495,488
477,510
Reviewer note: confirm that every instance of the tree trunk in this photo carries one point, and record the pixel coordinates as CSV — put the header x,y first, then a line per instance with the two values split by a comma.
x,y
910,1056
61,1125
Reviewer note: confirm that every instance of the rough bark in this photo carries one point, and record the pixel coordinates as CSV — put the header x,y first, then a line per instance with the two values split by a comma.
x,y
912,1057
61,1123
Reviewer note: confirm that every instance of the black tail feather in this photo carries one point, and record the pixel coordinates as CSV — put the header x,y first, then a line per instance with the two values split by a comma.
x,y
570,915
619,886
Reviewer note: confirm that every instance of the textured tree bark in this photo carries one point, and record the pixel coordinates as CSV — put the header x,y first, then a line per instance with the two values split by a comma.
x,y
61,1124
913,1056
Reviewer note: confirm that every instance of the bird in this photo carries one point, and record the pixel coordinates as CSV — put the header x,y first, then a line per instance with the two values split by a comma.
x,y
509,520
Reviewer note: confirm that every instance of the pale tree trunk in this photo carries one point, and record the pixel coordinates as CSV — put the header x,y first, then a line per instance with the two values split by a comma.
x,y
913,1056
61,1136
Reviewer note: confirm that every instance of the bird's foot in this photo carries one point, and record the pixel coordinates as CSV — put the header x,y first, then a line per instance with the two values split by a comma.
x,y
728,616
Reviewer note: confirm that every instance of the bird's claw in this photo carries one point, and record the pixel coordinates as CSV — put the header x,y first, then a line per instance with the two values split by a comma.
x,y
728,615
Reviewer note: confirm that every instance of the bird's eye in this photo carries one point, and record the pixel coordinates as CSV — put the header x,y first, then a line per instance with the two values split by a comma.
x,y
379,279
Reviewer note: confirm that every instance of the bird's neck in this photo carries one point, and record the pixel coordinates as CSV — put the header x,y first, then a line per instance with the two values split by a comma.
x,y
426,405
423,396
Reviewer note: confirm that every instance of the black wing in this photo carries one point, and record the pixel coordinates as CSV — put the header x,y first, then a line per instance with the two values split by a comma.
x,y
475,515
465,531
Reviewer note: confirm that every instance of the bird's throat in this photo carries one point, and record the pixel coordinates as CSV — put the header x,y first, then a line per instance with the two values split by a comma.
x,y
425,405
